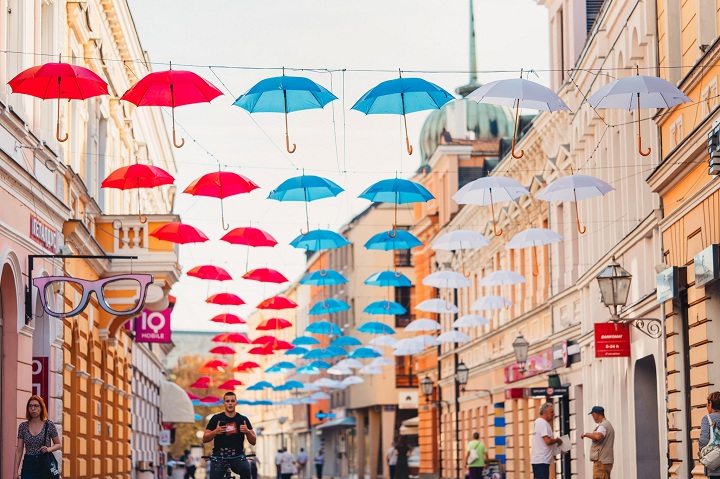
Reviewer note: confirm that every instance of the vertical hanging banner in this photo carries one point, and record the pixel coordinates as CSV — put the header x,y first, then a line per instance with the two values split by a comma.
x,y
40,375
153,326
612,340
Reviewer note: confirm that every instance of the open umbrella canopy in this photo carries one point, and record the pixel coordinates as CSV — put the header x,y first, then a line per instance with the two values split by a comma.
x,y
249,236
179,233
489,303
488,191
192,396
408,347
328,306
364,353
533,237
324,277
210,400
345,341
266,340
226,299
460,239
265,275
446,279
209,271
653,92
230,384
277,303
234,338
274,324
388,278
370,370
502,277
308,371
575,188
385,307
423,324
296,351
245,366
281,366
339,371
325,353
349,363
319,364
519,92
220,184
382,361
351,380
137,176
227,318
288,385
305,341
223,350
264,350
323,327
386,341
453,336
305,188
375,327
259,386
202,382
386,241
318,240
470,321
398,191
436,305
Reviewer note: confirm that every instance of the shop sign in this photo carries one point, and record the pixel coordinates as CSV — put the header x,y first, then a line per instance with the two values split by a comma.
x,y
408,400
536,364
40,377
565,354
165,437
707,265
546,392
514,393
612,340
669,283
153,326
44,235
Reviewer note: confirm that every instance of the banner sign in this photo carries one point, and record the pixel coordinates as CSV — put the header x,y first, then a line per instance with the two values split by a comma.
x,y
153,326
536,364
565,354
546,392
612,340
40,375
44,235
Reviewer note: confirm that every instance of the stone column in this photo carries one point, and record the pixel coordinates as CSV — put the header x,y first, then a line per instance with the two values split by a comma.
x,y
374,441
360,443
388,434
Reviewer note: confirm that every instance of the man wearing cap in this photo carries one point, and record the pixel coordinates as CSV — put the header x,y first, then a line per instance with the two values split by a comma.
x,y
601,450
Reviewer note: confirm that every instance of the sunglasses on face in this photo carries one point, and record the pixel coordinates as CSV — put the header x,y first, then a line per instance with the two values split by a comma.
x,y
110,292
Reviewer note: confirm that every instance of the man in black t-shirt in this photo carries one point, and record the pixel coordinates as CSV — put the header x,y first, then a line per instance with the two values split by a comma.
x,y
228,430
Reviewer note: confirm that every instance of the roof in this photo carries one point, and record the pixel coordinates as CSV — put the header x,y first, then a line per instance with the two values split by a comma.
x,y
342,422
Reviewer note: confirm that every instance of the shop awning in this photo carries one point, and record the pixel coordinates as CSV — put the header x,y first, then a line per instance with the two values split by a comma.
x,y
342,422
409,427
175,404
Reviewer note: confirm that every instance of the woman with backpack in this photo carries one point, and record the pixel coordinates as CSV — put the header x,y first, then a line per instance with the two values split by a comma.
x,y
476,456
710,431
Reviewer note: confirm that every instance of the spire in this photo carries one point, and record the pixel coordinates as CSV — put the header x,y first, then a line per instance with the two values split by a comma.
x,y
473,85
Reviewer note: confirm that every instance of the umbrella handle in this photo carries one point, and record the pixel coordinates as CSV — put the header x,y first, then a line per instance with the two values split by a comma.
x,y
492,208
462,263
536,266
142,219
287,144
407,140
172,111
57,129
639,135
581,229
512,146
287,136
222,214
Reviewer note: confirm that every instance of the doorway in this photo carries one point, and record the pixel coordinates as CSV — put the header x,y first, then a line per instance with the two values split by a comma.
x,y
646,419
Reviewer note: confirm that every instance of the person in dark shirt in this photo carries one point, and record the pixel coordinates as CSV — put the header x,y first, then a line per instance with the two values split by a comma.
x,y
228,431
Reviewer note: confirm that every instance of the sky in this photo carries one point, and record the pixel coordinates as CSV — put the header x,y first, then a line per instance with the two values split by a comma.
x,y
348,46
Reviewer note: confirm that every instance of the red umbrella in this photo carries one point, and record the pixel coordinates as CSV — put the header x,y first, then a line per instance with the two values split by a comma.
x,y
228,318
192,396
137,176
222,350
212,367
265,340
274,323
249,236
277,303
171,88
230,384
245,366
209,272
179,233
265,275
210,399
221,184
281,345
227,299
59,80
261,350
234,338
202,382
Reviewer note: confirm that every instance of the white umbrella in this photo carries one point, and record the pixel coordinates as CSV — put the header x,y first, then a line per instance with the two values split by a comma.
x,y
311,387
470,321
532,238
426,340
409,349
423,324
460,240
387,341
349,363
320,395
339,371
488,191
518,93
326,383
446,279
501,277
488,303
382,361
453,337
370,370
632,92
437,305
575,188
350,380
308,401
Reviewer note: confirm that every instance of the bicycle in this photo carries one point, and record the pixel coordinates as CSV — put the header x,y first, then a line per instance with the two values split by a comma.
x,y
223,462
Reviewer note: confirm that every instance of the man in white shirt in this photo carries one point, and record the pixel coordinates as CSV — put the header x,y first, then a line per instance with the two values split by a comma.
x,y
543,443
302,460
391,457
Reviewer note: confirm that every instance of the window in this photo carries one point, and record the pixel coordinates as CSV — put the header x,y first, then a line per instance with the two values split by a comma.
x,y
676,132
709,97
403,296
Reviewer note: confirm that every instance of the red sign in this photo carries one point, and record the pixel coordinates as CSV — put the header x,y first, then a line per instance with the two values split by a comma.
x,y
153,326
40,374
612,340
536,364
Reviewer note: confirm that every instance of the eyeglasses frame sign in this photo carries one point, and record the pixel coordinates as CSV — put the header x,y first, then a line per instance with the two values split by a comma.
x,y
96,286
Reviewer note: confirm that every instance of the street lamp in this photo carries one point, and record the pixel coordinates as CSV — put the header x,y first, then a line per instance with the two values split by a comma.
x,y
462,373
520,347
427,386
282,420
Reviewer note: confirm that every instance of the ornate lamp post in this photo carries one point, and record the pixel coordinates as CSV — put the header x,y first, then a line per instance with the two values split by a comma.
x,y
520,347
462,373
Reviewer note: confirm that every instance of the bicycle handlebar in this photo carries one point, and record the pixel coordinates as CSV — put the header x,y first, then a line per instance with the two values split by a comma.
x,y
220,457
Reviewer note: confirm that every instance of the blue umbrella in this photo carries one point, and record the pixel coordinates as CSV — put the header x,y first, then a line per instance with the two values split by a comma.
x,y
261,402
289,386
386,241
388,278
398,191
317,364
324,327
375,327
329,306
308,370
345,341
259,386
281,366
323,277
198,417
196,402
304,341
296,351
325,353
364,353
284,94
385,307
317,240
305,188
243,401
401,96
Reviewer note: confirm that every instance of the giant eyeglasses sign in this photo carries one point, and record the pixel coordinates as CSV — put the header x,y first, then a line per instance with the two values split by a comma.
x,y
612,340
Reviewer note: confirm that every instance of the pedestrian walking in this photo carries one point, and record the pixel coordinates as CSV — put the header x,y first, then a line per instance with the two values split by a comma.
x,y
287,464
391,458
278,462
708,426
190,465
319,463
302,460
476,457
402,471
36,436
601,449
543,442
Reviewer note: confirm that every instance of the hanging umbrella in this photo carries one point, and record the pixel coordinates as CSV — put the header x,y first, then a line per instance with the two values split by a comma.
x,y
222,350
283,366
409,348
518,93
349,363
488,191
249,236
221,184
323,327
202,382
382,361
226,299
375,327
385,241
261,350
532,238
423,324
470,321
346,341
211,400
137,176
325,353
319,364
274,324
397,191
388,278
318,240
328,306
426,340
305,341
230,384
259,386
446,279
245,366
385,307
387,341
437,305
488,303
211,272
265,275
267,340
364,353
324,277
370,370
320,395
281,345
191,395
629,93
277,303
400,97
171,88
351,380
575,188
61,81
296,351
327,383
339,371
501,277
234,338
305,188
212,367
291,384
308,371
227,318
453,336
179,233
284,94
460,240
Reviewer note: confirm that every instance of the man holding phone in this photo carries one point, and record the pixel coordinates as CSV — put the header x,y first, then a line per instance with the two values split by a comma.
x,y
228,431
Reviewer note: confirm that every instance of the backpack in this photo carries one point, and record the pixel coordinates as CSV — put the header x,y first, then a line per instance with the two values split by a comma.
x,y
710,454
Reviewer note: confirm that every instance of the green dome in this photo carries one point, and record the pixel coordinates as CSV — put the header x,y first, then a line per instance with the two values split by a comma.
x,y
485,120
